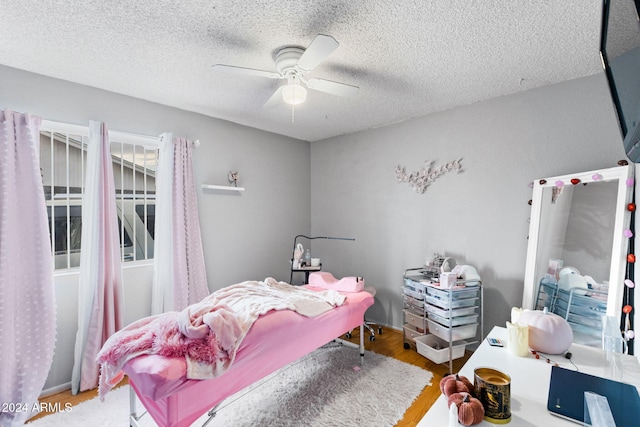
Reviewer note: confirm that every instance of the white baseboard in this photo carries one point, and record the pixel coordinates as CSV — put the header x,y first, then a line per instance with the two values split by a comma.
x,y
56,389
383,325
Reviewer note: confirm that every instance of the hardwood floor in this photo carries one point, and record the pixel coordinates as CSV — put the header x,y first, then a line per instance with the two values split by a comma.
x,y
389,343
59,400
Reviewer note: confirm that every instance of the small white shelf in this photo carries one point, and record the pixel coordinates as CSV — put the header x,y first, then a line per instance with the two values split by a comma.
x,y
222,187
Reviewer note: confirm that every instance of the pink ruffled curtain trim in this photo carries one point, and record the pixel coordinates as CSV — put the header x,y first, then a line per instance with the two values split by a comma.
x,y
27,297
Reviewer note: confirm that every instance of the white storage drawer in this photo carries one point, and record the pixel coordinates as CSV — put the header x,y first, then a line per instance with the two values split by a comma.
x,y
414,285
455,333
466,311
418,311
413,303
413,294
437,350
586,321
446,304
454,321
456,294
411,333
414,319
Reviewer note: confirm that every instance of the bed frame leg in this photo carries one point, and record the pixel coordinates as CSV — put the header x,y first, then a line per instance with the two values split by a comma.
x,y
133,412
211,414
354,345
362,344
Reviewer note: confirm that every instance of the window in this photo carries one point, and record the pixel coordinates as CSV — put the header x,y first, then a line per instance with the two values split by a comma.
x,y
135,175
63,157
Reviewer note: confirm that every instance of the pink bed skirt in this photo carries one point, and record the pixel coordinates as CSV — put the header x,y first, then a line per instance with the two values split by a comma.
x,y
275,340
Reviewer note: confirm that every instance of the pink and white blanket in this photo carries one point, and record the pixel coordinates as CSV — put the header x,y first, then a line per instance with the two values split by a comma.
x,y
208,333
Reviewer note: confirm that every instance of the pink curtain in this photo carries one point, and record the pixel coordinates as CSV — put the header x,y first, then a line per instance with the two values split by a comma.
x,y
100,301
190,279
27,298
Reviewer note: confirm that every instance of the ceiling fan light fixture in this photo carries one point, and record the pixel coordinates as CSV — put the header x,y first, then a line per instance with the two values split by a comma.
x,y
294,94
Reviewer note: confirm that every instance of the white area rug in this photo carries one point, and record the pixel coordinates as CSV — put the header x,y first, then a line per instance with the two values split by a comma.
x,y
325,388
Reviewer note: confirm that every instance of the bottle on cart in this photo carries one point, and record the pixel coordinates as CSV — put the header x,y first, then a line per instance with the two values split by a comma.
x,y
307,258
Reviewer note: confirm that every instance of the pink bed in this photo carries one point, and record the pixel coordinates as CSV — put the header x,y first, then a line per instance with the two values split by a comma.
x,y
275,340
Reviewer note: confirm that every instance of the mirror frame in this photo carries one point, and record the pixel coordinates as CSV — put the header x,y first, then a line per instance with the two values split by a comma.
x,y
620,242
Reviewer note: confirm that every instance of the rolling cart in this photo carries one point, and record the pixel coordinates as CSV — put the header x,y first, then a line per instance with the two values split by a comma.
x,y
440,322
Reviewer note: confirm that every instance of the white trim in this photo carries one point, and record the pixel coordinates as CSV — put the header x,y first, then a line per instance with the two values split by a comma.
x,y
131,138
137,263
66,271
51,126
116,136
55,390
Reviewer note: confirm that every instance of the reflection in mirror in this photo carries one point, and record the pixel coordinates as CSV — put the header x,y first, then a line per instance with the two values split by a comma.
x,y
577,250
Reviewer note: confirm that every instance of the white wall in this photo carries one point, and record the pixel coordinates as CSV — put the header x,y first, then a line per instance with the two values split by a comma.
x,y
480,215
137,278
245,236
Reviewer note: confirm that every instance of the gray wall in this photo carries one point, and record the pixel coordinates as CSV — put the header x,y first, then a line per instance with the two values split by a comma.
x,y
346,187
479,215
245,236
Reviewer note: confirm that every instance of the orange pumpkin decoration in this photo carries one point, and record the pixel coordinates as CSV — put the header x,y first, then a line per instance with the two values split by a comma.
x,y
470,409
455,383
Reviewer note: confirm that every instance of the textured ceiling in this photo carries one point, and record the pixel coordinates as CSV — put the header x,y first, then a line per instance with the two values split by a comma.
x,y
409,58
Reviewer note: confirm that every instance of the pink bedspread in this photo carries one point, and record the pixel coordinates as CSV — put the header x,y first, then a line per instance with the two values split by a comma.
x,y
275,340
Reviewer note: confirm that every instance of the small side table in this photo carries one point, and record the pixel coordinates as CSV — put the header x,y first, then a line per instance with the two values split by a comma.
x,y
306,271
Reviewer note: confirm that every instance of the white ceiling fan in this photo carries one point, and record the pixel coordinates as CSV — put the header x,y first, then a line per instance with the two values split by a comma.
x,y
293,63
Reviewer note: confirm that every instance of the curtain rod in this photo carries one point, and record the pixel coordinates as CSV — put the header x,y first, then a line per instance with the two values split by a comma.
x,y
119,136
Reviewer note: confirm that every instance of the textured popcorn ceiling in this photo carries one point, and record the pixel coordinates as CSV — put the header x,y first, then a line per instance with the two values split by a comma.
x,y
409,58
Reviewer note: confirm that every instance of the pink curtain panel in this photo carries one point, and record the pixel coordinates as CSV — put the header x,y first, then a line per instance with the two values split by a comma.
x,y
100,313
190,279
27,298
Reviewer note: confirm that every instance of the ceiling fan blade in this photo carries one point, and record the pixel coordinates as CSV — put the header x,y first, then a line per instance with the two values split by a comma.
x,y
317,51
275,99
334,88
232,69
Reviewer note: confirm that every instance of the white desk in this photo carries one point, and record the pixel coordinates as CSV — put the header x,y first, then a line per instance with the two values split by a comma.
x,y
530,380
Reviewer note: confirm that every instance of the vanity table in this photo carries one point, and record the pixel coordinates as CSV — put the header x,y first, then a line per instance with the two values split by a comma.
x,y
530,380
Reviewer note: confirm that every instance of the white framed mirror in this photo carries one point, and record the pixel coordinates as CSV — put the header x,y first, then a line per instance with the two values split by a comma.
x,y
577,250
